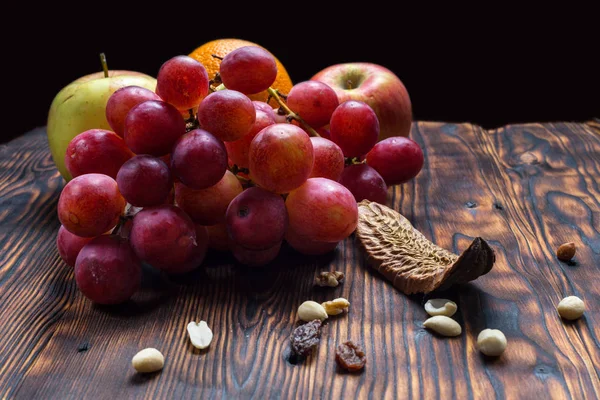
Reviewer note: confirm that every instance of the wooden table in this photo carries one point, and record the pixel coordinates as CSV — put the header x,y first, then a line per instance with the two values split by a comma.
x,y
525,188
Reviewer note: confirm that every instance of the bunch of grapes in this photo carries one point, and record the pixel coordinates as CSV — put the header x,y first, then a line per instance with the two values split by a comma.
x,y
198,165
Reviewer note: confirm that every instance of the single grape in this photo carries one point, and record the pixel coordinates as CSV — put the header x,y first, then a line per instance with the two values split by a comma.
x,y
255,258
139,174
354,127
322,210
239,150
69,245
227,114
281,157
182,82
314,101
218,238
208,206
107,271
122,101
256,219
248,69
91,204
197,256
262,106
364,183
199,159
96,151
329,159
397,159
152,127
306,246
164,237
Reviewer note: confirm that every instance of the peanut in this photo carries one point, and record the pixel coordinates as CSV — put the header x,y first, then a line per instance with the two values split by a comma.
x,y
566,251
571,308
200,334
443,325
491,342
148,360
311,310
445,307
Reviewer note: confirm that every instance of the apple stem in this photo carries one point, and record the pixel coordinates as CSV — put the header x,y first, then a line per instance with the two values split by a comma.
x,y
104,64
290,114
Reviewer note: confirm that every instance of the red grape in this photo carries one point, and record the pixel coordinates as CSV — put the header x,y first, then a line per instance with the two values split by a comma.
x,y
122,101
164,237
397,159
306,246
248,69
364,183
255,258
139,174
182,82
238,150
227,114
256,219
208,206
90,205
199,159
262,106
322,210
354,127
281,157
197,256
329,159
69,245
96,151
314,101
107,271
152,127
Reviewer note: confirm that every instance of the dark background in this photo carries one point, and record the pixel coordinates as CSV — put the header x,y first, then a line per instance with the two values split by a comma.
x,y
487,67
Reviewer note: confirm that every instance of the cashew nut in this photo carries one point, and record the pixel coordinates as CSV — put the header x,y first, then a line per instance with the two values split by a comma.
x,y
443,325
148,360
491,342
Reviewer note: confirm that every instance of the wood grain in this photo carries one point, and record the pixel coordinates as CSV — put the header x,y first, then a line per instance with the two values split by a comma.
x,y
525,189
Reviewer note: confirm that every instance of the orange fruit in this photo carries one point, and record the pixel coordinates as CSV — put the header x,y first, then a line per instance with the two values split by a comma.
x,y
222,47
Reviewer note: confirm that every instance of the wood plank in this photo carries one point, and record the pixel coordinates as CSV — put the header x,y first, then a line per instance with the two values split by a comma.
x,y
525,189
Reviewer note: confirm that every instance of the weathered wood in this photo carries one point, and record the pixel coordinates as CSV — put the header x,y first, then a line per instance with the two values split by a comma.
x,y
525,189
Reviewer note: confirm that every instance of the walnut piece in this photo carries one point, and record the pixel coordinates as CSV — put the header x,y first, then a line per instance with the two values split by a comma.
x,y
408,259
336,306
331,279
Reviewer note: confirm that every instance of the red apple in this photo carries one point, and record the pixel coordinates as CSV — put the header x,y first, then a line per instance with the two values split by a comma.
x,y
377,86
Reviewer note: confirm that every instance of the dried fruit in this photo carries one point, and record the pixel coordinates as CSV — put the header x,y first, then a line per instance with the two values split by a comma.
x,y
411,262
148,360
445,307
310,310
331,279
336,306
491,342
200,334
306,337
350,356
571,308
443,325
566,251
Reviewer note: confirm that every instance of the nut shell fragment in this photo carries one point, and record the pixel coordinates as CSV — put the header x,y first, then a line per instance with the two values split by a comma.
x,y
408,259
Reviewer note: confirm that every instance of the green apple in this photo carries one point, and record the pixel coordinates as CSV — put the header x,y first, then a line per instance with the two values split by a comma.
x,y
81,105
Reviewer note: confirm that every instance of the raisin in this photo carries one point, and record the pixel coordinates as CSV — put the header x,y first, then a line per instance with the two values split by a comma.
x,y
306,337
350,356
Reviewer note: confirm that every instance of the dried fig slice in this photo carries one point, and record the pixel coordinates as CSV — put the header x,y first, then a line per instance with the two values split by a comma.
x,y
408,259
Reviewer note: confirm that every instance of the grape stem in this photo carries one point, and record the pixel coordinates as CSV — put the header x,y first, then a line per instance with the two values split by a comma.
x,y
290,114
104,64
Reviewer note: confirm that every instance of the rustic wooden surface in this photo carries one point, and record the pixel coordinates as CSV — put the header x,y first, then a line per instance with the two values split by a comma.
x,y
526,189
